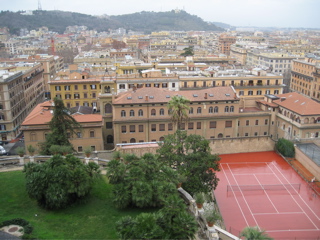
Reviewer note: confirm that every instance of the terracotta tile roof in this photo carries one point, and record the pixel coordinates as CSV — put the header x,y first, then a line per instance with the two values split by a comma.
x,y
298,103
267,103
159,95
41,115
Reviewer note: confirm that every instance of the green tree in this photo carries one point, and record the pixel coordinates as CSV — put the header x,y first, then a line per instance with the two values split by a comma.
x,y
178,108
143,182
61,124
254,233
171,222
60,181
285,147
188,51
192,157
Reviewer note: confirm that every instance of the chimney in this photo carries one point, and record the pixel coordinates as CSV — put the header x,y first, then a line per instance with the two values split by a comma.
x,y
205,95
147,98
282,99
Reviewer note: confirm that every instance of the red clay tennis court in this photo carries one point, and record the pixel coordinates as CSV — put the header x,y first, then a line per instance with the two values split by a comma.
x,y
261,189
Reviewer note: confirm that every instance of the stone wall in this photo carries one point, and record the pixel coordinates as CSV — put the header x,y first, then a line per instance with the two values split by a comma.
x,y
242,145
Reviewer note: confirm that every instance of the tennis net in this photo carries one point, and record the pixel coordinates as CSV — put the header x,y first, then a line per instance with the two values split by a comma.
x,y
277,187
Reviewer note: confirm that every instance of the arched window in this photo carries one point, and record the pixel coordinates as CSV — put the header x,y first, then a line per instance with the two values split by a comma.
x,y
109,139
153,112
161,139
132,140
123,113
161,112
220,135
199,110
131,113
306,120
191,110
210,109
108,108
232,109
33,136
122,86
140,113
226,109
216,109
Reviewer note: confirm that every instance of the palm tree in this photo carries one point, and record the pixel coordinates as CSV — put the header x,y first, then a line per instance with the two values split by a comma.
x,y
254,233
178,109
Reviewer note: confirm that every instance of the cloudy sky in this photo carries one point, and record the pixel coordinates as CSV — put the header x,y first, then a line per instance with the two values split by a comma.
x,y
263,13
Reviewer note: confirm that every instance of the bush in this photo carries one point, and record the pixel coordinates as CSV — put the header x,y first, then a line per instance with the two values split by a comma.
x,y
60,181
285,147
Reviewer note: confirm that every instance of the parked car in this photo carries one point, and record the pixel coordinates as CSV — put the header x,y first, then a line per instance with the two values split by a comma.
x,y
3,151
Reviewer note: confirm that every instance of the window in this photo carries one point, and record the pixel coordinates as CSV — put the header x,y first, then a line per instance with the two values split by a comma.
x,y
250,92
161,112
68,96
140,113
108,108
93,95
153,127
241,93
153,112
246,134
220,135
190,125
216,109
79,135
191,110
85,95
79,148
161,127
57,88
173,85
210,109
228,124
132,128
109,139
93,86
259,92
276,92
131,113
198,125
257,122
183,126
75,87
132,140
67,88
161,139
123,113
265,133
140,128
256,133
170,126
232,109
226,109
213,124
76,96
123,129
84,87
122,86
199,110
108,125
266,122
92,134
247,122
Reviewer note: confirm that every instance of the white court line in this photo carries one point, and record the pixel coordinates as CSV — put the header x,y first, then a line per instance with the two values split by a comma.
x,y
243,197
293,230
298,194
266,193
251,173
244,162
292,195
235,197
279,213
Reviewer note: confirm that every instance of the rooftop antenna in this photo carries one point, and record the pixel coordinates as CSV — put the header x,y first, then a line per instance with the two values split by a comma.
x,y
39,5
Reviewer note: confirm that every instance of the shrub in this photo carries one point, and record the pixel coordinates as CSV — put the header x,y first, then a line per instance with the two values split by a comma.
x,y
20,151
27,228
285,147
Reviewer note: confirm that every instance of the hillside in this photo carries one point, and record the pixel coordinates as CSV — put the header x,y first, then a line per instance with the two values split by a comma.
x,y
147,22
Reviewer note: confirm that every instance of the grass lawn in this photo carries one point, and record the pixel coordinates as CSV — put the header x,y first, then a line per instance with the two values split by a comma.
x,y
94,219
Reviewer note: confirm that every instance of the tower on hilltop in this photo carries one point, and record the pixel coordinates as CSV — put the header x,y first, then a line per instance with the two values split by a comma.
x,y
39,5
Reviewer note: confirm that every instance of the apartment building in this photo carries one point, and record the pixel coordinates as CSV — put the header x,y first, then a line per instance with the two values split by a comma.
x,y
142,115
247,83
20,92
305,77
35,128
225,42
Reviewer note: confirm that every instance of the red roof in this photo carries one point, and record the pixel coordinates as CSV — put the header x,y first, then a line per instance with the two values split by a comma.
x,y
298,103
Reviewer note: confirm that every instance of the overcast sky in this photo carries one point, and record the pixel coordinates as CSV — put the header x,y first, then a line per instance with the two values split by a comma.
x,y
262,13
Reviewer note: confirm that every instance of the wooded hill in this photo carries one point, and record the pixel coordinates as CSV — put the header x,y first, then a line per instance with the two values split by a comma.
x,y
146,22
